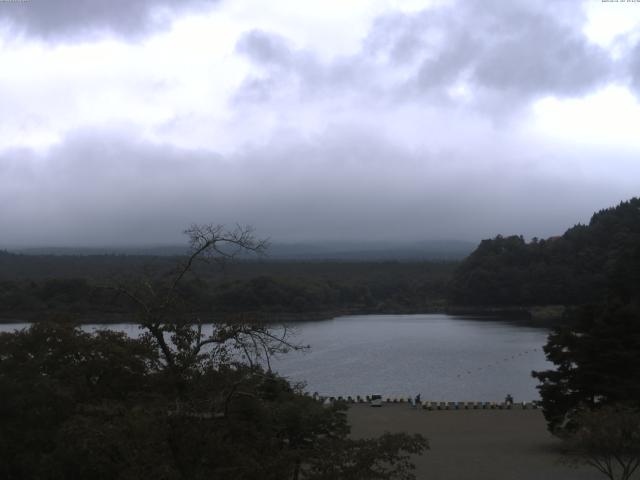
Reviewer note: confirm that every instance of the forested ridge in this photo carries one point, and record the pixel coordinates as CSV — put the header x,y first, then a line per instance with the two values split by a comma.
x,y
578,267
33,287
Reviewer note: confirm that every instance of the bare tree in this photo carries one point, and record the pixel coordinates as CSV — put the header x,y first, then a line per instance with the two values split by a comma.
x,y
607,439
179,336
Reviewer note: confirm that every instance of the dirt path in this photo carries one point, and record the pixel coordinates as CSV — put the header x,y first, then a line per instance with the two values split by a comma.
x,y
474,444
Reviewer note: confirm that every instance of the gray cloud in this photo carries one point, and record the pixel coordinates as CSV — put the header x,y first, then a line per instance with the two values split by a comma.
x,y
266,49
51,19
513,48
634,67
370,145
283,67
503,54
347,184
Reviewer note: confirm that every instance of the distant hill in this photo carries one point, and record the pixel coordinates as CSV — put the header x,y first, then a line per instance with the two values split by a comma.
x,y
347,251
583,265
371,251
152,250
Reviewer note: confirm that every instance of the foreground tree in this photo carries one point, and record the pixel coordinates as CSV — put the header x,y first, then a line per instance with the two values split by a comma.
x,y
597,358
607,439
54,374
592,398
597,350
161,303
182,401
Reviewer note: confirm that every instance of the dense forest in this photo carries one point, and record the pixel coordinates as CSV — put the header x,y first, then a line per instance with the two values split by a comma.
x,y
596,346
33,286
577,267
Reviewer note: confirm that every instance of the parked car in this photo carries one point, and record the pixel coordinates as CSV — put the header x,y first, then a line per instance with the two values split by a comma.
x,y
376,400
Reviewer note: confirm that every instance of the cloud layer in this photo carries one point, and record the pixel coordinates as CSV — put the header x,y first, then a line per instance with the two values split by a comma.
x,y
126,122
77,19
478,54
108,188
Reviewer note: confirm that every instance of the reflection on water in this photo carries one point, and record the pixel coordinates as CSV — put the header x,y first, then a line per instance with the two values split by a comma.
x,y
439,356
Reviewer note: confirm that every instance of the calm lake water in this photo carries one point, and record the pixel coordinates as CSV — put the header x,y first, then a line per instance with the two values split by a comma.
x,y
440,356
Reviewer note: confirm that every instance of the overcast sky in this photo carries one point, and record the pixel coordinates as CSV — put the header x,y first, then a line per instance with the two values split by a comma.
x,y
124,121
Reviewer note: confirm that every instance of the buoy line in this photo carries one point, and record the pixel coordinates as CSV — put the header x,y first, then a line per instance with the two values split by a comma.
x,y
498,362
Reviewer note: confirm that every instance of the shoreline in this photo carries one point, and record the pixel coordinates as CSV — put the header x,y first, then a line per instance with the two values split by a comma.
x,y
543,316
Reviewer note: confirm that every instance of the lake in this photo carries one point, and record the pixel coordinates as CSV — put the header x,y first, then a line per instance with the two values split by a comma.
x,y
442,357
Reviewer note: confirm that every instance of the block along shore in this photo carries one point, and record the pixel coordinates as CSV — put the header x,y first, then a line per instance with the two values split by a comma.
x,y
432,405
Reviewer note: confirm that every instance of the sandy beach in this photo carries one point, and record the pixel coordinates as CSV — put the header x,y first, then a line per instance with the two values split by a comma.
x,y
474,444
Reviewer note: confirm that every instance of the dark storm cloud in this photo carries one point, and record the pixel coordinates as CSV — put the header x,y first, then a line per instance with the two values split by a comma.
x,y
108,188
59,19
509,51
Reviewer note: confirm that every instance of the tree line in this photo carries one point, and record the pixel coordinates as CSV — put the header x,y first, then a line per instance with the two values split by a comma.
x,y
572,269
261,288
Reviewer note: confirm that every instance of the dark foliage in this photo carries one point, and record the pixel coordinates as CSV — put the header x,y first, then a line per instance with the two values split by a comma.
x,y
597,350
608,439
575,268
270,288
103,406
597,358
